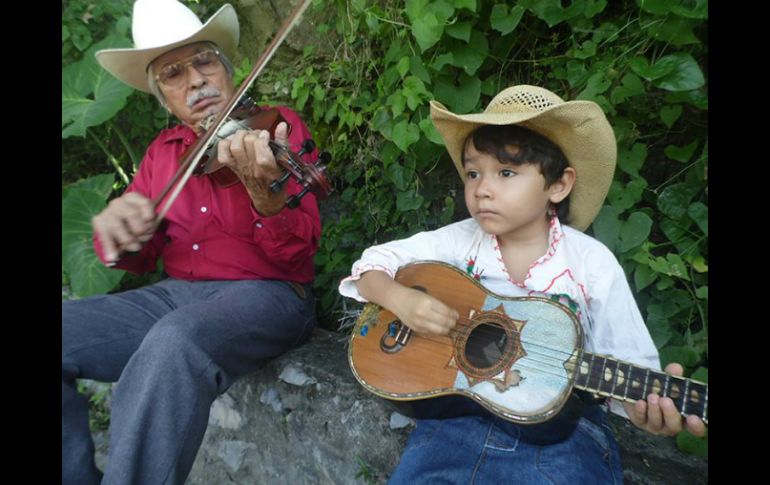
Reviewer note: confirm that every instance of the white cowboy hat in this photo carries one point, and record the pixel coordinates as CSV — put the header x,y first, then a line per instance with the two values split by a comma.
x,y
159,26
579,128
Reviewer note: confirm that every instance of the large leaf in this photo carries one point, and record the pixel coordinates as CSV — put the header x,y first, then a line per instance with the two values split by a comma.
x,y
88,276
634,231
675,199
80,80
606,226
504,21
685,76
472,55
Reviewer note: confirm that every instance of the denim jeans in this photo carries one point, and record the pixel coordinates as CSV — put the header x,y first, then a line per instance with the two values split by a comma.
x,y
487,450
172,348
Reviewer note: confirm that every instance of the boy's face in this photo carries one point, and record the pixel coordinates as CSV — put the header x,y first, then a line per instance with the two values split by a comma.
x,y
506,200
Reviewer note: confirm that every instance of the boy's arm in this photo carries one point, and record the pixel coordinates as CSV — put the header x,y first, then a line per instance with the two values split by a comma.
x,y
419,311
659,415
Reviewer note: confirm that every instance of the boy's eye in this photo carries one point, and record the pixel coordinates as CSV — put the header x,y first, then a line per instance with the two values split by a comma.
x,y
471,174
507,173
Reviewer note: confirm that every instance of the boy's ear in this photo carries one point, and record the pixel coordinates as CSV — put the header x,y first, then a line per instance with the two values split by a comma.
x,y
560,189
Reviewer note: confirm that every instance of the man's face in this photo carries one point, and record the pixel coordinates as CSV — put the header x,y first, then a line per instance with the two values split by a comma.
x,y
192,95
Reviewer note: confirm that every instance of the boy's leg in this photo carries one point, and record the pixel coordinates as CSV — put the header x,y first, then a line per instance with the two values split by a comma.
x,y
161,404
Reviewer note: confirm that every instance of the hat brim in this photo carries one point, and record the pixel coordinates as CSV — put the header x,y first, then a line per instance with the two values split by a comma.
x,y
579,128
130,65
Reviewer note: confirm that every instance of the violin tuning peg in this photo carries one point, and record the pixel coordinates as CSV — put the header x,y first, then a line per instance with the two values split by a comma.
x,y
325,157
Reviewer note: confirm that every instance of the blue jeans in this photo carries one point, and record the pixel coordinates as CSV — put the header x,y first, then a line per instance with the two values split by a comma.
x,y
172,347
487,450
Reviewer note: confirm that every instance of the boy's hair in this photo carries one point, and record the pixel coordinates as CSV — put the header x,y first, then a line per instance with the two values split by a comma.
x,y
533,148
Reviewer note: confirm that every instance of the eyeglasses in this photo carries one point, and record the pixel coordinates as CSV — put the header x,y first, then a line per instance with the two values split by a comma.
x,y
174,75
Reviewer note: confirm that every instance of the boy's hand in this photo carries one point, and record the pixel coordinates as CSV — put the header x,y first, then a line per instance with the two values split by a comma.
x,y
423,313
658,415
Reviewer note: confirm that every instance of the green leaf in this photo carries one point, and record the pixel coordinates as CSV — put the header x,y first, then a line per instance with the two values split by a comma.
x,y
660,329
596,85
698,11
630,86
429,129
660,7
460,30
88,276
631,161
79,80
675,199
549,10
408,201
427,31
702,292
466,4
101,184
503,21
699,213
644,276
417,68
405,134
685,76
679,354
670,113
472,55
676,266
634,231
691,444
681,154
586,50
699,265
396,174
701,374
641,66
624,197
403,66
606,226
674,30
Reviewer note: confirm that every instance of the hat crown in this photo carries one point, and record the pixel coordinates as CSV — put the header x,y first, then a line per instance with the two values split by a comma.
x,y
162,22
523,99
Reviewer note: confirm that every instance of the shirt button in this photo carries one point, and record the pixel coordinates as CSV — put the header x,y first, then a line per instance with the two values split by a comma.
x,y
259,224
195,247
204,208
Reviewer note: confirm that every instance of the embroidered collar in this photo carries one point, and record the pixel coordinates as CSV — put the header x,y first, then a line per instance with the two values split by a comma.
x,y
555,235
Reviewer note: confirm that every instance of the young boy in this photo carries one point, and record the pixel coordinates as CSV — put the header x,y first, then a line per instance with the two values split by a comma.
x,y
536,171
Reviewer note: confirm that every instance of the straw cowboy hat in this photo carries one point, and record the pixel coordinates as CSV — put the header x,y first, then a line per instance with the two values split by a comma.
x,y
162,25
579,128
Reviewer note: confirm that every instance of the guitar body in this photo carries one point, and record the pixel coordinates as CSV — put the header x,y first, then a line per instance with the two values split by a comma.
x,y
514,355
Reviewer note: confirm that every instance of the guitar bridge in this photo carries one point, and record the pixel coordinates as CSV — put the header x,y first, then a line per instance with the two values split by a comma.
x,y
395,337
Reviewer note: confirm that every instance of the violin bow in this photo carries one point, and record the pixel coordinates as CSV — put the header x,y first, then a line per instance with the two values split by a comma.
x,y
205,141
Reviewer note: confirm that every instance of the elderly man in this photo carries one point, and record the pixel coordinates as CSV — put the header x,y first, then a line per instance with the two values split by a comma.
x,y
239,264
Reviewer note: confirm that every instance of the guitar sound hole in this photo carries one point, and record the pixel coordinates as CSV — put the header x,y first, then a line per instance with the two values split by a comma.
x,y
485,345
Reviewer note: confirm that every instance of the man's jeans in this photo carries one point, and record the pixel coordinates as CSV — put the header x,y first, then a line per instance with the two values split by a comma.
x,y
172,347
487,450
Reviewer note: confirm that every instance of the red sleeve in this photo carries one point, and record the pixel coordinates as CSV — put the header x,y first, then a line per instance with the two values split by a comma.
x,y
145,260
291,237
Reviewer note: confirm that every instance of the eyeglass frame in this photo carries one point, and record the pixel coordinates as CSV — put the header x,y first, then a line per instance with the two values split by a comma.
x,y
187,62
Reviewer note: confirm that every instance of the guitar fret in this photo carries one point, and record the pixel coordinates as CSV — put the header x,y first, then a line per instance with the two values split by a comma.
x,y
601,375
705,406
685,400
645,390
628,381
615,378
636,390
665,386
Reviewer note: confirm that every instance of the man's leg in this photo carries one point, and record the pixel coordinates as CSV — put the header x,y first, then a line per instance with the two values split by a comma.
x,y
99,335
161,404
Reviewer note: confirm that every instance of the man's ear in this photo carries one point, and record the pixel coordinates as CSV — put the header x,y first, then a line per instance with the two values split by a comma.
x,y
560,189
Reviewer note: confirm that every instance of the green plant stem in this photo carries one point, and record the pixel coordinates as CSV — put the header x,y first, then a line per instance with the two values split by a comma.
x,y
126,145
113,161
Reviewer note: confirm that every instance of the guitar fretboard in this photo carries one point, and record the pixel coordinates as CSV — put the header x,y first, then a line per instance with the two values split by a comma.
x,y
622,380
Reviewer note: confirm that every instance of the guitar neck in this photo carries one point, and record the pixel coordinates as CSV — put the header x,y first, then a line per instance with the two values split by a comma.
x,y
617,379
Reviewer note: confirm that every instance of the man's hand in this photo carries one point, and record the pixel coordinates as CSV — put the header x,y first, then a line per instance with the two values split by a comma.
x,y
248,154
124,224
658,415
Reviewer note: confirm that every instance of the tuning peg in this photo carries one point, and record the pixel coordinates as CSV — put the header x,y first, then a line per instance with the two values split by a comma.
x,y
277,185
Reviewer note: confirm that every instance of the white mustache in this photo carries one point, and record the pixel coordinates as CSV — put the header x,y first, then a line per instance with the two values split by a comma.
x,y
207,92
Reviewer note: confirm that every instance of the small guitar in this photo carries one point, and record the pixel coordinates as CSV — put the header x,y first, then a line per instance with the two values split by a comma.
x,y
519,357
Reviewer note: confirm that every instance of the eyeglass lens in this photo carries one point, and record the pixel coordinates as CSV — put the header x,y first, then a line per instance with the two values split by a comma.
x,y
206,63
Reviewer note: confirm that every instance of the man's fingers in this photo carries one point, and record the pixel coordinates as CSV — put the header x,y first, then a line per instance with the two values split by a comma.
x,y
281,134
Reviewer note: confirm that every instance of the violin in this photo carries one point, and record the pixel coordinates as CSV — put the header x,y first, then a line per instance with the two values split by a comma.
x,y
242,113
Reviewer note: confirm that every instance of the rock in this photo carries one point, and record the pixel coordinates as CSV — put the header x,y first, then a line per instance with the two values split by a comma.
x,y
303,419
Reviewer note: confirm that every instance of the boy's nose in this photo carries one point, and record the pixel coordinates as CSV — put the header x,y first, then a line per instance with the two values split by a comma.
x,y
483,189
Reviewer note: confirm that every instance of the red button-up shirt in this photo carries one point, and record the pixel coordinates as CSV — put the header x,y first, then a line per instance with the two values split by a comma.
x,y
214,233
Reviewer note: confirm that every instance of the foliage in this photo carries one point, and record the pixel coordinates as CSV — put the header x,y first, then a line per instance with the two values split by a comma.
x,y
364,85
